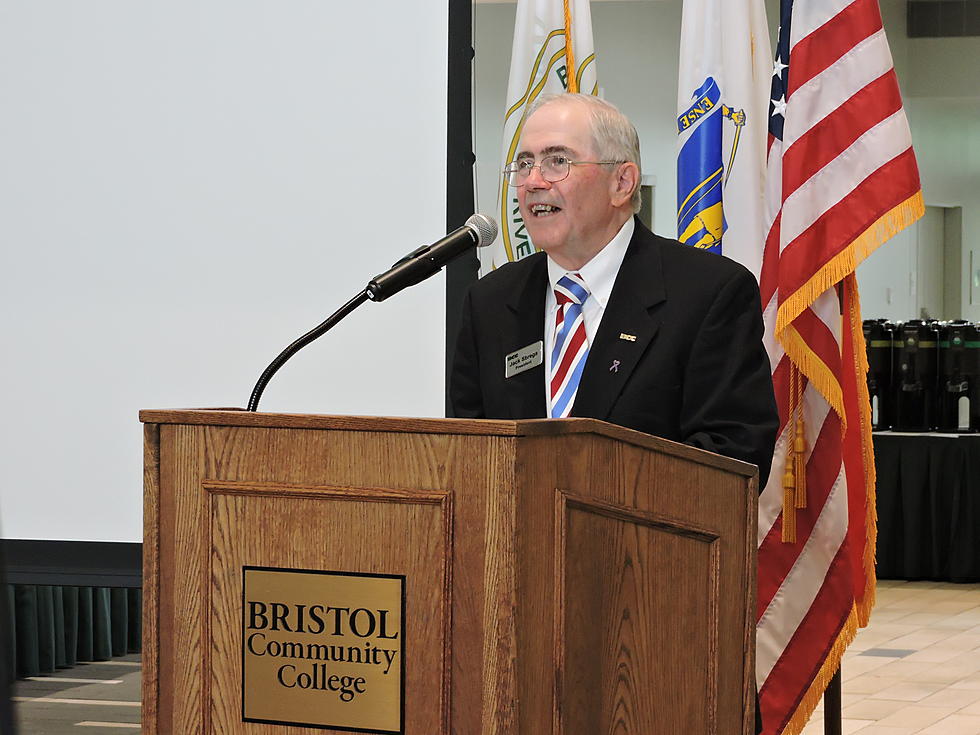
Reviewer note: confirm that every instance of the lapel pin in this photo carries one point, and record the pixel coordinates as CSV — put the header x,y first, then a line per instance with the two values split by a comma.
x,y
614,368
627,337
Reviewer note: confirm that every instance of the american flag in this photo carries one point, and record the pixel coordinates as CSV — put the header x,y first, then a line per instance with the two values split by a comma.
x,y
841,179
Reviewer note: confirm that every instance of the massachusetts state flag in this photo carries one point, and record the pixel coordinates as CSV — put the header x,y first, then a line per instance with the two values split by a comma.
x,y
722,105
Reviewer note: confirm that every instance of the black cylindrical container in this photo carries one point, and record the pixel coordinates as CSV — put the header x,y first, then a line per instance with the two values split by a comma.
x,y
959,375
878,337
917,376
896,384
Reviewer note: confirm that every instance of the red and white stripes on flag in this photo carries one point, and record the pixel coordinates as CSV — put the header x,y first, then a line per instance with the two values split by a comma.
x,y
841,180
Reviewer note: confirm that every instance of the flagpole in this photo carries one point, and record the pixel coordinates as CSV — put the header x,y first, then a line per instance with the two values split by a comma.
x,y
831,707
569,50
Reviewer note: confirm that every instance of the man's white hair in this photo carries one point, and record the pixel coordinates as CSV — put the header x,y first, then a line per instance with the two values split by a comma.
x,y
613,136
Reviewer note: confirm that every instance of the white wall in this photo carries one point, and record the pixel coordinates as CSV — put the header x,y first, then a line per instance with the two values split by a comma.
x,y
942,100
905,279
185,187
887,282
946,135
636,51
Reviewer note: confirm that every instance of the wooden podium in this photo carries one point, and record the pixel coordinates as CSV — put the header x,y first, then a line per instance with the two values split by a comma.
x,y
563,577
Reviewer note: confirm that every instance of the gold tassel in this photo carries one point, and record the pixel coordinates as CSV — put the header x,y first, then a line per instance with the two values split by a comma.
x,y
799,459
792,472
794,476
789,501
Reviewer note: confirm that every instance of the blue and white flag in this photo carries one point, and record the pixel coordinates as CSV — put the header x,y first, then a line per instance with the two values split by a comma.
x,y
722,116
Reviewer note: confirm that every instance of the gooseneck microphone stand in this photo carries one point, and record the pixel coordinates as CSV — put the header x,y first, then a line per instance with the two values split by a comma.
x,y
313,334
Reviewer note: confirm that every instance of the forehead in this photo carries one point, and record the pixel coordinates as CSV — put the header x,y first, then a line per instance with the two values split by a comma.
x,y
557,128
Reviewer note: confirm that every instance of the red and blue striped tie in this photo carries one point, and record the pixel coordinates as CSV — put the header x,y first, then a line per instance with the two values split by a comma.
x,y
571,345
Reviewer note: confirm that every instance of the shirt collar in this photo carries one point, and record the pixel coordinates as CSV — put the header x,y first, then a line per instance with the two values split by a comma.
x,y
599,273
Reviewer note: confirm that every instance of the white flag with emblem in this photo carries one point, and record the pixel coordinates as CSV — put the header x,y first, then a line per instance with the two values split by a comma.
x,y
722,125
541,62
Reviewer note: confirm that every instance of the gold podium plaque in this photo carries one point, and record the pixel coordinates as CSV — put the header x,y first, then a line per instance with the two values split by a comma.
x,y
323,648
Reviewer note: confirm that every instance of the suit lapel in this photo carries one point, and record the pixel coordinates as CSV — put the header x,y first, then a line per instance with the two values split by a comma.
x,y
629,323
525,309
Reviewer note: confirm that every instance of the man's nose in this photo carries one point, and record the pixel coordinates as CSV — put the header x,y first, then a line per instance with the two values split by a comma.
x,y
535,180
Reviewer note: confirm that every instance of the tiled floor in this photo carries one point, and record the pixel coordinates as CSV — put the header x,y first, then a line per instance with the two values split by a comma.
x,y
100,697
916,668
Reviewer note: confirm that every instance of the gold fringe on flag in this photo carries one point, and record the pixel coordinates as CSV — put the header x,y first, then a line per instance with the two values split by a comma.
x,y
818,373
569,51
867,600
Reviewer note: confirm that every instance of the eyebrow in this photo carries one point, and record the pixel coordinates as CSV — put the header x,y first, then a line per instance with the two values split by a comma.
x,y
549,151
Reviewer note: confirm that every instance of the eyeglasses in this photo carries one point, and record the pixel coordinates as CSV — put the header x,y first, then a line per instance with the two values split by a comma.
x,y
552,168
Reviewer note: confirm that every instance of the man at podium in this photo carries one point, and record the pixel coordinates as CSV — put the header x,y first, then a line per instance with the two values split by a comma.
x,y
611,321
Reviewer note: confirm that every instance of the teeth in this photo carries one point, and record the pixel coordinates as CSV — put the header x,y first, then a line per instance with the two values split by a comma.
x,y
543,208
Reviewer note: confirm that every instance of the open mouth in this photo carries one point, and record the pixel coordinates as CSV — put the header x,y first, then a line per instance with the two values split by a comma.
x,y
544,210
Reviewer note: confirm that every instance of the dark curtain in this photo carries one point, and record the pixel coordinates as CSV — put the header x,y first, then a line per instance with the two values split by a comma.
x,y
7,652
55,627
928,500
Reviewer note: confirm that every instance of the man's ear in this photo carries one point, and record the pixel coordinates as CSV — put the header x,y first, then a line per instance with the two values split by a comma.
x,y
626,180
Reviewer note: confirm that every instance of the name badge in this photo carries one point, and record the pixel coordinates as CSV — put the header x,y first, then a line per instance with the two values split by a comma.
x,y
523,359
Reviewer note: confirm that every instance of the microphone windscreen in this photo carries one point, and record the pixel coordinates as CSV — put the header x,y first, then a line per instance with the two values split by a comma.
x,y
484,227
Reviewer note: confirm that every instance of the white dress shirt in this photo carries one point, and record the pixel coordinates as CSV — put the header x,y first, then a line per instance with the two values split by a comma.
x,y
599,275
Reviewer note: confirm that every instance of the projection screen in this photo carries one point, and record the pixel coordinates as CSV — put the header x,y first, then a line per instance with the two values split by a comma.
x,y
185,187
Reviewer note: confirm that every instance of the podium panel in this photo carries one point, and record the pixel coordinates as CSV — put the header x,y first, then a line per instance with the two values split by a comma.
x,y
648,582
328,529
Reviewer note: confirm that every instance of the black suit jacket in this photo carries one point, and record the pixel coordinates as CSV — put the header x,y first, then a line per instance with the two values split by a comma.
x,y
697,371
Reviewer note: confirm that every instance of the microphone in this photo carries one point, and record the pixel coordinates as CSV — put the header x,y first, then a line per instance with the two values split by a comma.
x,y
479,231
